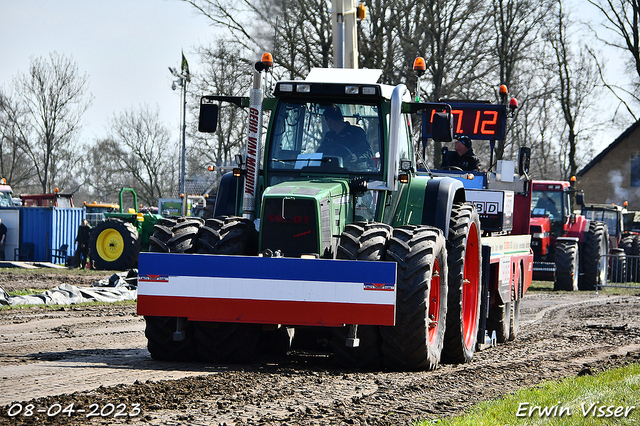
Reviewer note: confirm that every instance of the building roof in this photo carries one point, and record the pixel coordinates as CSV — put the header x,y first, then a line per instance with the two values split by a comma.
x,y
604,152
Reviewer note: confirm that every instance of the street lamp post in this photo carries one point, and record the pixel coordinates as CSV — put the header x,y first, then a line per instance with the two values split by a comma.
x,y
182,80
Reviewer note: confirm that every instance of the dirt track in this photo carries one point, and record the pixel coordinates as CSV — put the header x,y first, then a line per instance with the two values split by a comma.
x,y
95,358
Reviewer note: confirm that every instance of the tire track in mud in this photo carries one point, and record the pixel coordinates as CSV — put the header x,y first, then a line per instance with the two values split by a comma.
x,y
100,355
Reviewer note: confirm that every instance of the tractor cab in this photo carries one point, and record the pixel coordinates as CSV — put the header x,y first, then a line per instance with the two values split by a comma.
x,y
6,194
551,204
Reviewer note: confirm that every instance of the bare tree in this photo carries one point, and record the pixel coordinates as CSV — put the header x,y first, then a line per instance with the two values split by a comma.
x,y
577,89
622,17
452,34
51,98
517,24
227,74
147,158
102,172
297,32
14,165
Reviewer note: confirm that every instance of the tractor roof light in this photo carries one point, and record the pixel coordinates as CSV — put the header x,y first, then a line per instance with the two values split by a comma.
x,y
419,66
361,11
267,60
303,88
351,90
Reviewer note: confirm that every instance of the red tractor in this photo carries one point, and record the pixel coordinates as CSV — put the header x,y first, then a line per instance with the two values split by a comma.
x,y
567,247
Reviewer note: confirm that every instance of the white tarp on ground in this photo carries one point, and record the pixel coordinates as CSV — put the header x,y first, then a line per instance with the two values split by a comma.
x,y
121,286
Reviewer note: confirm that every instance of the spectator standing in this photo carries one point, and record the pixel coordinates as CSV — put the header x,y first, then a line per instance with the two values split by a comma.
x,y
82,240
3,238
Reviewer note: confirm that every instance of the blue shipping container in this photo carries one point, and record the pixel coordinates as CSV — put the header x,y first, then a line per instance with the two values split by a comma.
x,y
49,228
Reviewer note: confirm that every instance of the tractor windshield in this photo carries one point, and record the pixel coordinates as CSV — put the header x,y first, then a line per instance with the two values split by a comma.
x,y
547,203
555,205
326,138
5,199
609,217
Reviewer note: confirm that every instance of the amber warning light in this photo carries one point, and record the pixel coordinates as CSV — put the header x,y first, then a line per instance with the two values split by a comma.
x,y
267,60
419,65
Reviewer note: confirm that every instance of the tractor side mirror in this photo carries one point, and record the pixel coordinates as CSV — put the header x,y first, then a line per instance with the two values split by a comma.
x,y
580,199
524,158
442,127
208,120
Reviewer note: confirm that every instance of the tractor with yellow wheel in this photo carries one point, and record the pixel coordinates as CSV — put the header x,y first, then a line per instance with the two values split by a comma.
x,y
117,240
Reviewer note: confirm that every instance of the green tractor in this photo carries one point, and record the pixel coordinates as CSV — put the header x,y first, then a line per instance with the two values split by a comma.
x,y
117,240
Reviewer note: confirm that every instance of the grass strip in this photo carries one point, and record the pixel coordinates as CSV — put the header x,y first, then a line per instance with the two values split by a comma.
x,y
609,397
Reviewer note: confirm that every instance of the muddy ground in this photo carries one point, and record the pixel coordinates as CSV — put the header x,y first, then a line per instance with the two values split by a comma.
x,y
78,365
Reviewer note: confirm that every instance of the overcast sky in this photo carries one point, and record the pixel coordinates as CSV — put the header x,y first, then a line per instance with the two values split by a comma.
x,y
124,46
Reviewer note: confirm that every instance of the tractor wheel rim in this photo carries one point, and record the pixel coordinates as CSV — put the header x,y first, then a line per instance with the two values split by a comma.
x,y
471,288
434,303
109,245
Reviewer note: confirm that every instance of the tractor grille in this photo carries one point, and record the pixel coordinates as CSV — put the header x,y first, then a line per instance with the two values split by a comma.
x,y
295,233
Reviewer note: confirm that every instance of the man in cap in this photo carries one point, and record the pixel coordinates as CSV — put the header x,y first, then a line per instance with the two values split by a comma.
x,y
462,158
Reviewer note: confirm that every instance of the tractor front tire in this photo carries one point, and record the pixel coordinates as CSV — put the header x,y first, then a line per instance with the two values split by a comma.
x,y
233,342
416,341
500,321
361,241
516,290
114,245
567,266
159,332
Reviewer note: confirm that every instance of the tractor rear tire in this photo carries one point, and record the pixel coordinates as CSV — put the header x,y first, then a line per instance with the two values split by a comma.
x,y
500,321
567,266
361,241
114,245
593,262
159,332
416,341
516,290
631,246
464,254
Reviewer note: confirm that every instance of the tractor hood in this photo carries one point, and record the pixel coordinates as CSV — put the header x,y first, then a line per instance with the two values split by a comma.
x,y
305,217
540,224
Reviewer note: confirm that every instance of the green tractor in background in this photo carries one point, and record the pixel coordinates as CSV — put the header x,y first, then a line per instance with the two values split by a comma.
x,y
117,240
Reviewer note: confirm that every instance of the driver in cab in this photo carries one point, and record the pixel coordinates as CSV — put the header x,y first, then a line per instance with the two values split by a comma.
x,y
462,158
345,135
